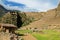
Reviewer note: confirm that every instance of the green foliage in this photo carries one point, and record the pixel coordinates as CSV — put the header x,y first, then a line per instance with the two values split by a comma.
x,y
8,18
26,19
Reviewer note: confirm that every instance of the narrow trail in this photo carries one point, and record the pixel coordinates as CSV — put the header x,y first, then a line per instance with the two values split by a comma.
x,y
29,37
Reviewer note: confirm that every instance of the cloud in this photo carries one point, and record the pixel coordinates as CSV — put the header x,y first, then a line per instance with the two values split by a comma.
x,y
34,5
16,6
37,4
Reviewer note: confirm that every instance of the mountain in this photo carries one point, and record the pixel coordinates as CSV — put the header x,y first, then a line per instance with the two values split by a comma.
x,y
50,20
2,10
31,18
6,16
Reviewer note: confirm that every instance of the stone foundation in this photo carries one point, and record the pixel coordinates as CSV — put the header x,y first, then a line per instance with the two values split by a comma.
x,y
8,36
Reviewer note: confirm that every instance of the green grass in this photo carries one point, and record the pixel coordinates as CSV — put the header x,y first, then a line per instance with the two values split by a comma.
x,y
48,35
39,37
23,31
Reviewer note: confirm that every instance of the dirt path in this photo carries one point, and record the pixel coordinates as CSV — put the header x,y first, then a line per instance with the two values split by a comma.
x,y
29,37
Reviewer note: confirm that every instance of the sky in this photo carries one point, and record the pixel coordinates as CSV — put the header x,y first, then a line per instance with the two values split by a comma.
x,y
29,5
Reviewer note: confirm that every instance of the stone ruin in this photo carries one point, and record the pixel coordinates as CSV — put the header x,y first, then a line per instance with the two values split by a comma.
x,y
7,32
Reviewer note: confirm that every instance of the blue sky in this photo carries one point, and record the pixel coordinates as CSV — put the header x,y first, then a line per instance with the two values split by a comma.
x,y
30,5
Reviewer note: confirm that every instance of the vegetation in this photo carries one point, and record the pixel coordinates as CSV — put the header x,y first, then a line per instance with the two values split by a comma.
x,y
47,35
23,31
6,17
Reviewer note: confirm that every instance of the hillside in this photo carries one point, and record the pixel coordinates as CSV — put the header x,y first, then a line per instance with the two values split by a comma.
x,y
32,19
24,17
50,20
2,10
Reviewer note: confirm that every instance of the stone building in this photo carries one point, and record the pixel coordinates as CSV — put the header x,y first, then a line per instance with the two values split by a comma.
x,y
8,28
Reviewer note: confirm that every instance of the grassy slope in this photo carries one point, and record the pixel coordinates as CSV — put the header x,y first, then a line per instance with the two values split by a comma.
x,y
48,35
23,31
